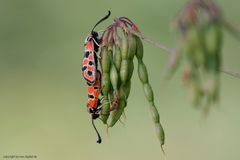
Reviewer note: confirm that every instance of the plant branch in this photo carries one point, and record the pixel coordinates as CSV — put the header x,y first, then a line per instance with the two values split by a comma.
x,y
154,42
230,72
231,29
171,51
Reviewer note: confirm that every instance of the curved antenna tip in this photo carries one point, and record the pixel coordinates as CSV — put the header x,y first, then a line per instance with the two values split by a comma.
x,y
99,137
104,18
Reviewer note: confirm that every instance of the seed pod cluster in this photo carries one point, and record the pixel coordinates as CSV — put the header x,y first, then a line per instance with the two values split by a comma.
x,y
200,28
119,46
106,84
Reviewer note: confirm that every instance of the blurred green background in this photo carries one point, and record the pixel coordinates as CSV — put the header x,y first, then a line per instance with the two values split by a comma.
x,y
43,96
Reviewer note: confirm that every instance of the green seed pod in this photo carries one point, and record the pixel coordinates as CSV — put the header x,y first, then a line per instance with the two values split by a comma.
x,y
114,77
117,58
132,46
139,52
213,37
130,69
158,126
142,72
106,84
213,45
193,46
154,112
118,112
124,47
105,60
148,92
105,109
126,89
160,134
129,63
192,37
124,72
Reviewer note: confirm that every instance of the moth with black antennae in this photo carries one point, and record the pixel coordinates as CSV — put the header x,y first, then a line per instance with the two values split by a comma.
x,y
91,74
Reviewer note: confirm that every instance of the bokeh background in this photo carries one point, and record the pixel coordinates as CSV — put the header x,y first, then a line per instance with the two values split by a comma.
x,y
43,96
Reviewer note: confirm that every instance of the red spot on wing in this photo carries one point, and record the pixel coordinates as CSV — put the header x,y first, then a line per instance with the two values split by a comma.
x,y
93,103
91,56
90,89
85,61
89,47
96,93
91,68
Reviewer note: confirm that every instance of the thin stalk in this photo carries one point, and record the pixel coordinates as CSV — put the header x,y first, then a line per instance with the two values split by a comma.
x,y
171,51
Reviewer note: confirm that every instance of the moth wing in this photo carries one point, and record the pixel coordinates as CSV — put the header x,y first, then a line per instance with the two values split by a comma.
x,y
89,65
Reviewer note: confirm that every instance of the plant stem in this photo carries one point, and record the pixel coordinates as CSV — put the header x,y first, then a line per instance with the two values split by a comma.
x,y
230,72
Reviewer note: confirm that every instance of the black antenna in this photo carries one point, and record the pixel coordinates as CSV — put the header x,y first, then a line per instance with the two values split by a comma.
x,y
109,13
99,137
